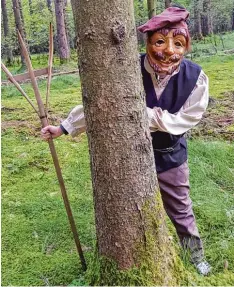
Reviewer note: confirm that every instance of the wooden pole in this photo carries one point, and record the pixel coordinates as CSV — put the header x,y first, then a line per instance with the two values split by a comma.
x,y
44,123
11,78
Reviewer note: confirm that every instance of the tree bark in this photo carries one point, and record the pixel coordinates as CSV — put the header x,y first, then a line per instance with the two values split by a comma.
x,y
151,4
63,47
130,226
19,24
197,31
9,55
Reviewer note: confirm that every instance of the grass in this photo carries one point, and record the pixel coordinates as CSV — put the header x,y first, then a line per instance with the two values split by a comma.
x,y
220,70
209,53
37,244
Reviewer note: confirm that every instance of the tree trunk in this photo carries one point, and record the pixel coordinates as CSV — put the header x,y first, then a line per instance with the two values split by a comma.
x,y
210,19
19,24
197,32
66,22
206,18
9,55
151,4
5,18
63,47
232,19
22,16
167,3
130,226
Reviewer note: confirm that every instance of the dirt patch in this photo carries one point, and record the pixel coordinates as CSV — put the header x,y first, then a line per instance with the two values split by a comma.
x,y
30,128
218,120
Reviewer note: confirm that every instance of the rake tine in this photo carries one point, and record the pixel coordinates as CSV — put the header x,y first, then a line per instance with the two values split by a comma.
x,y
11,78
50,63
44,122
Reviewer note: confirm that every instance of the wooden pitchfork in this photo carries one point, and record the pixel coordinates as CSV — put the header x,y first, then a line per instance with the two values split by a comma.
x,y
42,113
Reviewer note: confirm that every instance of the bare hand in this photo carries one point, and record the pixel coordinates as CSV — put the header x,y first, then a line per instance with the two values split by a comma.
x,y
51,131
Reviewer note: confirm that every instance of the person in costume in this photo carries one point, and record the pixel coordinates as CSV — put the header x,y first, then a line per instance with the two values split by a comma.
x,y
176,92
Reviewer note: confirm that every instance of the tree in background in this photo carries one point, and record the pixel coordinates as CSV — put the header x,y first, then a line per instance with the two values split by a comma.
x,y
197,29
206,18
151,4
63,45
132,240
19,24
232,22
8,50
67,22
167,3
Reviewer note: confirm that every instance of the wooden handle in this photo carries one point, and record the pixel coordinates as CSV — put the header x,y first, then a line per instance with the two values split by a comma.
x,y
44,122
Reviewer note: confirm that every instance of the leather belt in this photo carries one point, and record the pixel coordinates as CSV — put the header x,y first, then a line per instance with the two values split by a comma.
x,y
168,149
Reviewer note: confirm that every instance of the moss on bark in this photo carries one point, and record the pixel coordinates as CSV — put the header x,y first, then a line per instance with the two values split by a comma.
x,y
158,259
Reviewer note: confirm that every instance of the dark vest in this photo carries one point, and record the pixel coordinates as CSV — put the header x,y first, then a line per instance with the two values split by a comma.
x,y
170,150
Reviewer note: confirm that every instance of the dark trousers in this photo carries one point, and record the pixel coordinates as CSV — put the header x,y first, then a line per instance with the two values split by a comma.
x,y
174,187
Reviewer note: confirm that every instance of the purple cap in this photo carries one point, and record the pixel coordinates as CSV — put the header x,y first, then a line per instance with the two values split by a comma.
x,y
172,17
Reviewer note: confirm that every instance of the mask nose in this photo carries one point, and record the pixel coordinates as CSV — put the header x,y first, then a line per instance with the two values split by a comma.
x,y
169,49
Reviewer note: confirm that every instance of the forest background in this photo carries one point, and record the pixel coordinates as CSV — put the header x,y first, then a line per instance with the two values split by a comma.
x,y
37,247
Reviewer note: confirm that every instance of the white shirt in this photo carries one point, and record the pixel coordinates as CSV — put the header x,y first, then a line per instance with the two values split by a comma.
x,y
159,120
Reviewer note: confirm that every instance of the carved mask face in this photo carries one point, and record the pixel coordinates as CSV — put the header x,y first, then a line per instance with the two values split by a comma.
x,y
165,49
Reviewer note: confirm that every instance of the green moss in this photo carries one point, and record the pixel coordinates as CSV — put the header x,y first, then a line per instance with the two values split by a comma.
x,y
157,261
230,128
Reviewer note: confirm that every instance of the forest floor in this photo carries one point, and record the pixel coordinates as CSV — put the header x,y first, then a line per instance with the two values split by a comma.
x,y
37,244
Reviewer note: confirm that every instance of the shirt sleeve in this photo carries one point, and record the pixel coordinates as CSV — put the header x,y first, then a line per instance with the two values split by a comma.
x,y
74,124
188,116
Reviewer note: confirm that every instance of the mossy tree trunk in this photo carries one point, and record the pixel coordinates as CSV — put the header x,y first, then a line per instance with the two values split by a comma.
x,y
130,227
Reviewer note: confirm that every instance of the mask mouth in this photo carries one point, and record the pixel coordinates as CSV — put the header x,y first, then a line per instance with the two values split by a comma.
x,y
175,58
165,60
165,67
159,56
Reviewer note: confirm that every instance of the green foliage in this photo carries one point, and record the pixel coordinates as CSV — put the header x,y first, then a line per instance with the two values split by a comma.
x,y
140,9
37,18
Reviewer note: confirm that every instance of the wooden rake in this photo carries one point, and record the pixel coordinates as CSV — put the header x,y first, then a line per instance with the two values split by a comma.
x,y
43,116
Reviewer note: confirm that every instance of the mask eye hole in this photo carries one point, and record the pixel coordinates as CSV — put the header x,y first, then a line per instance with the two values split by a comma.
x,y
159,43
178,44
